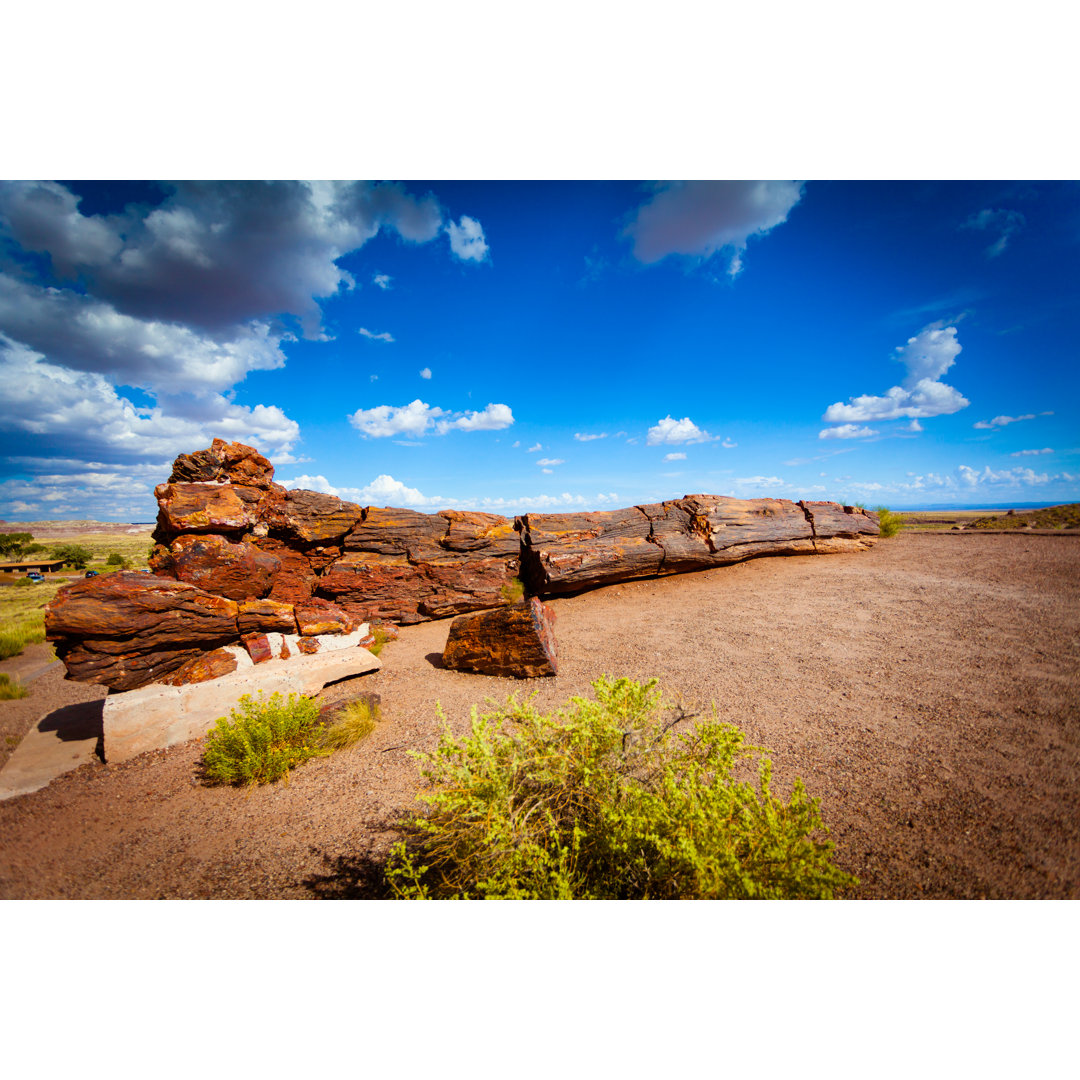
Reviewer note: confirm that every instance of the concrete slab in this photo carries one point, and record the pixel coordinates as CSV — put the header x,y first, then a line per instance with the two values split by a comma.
x,y
60,741
158,716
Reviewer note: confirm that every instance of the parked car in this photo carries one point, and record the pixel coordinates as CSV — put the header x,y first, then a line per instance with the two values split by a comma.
x,y
91,573
34,575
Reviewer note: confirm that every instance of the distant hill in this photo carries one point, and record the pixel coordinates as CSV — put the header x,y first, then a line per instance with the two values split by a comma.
x,y
57,530
1050,517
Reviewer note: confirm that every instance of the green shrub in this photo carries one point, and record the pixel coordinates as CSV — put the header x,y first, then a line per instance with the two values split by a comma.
x,y
381,638
355,722
10,690
513,592
116,559
889,524
73,555
262,740
606,801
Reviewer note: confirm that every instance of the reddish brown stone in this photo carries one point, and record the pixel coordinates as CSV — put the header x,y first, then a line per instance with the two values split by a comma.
x,y
285,652
201,508
295,580
223,461
318,616
265,617
517,641
237,571
311,516
473,531
258,647
127,629
209,665
391,531
308,646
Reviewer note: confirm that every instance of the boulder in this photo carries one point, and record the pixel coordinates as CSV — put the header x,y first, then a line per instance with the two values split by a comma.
x,y
265,616
211,665
223,461
516,641
238,571
311,516
258,647
317,616
212,508
128,629
295,578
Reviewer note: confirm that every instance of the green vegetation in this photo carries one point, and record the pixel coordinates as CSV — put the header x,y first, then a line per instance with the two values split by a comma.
x,y
1050,517
355,722
22,614
117,560
381,638
14,545
74,555
889,523
513,592
605,801
10,690
263,739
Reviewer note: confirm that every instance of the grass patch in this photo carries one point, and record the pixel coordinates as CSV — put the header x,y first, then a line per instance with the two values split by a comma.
x,y
381,638
513,592
354,723
10,690
1050,517
22,614
604,800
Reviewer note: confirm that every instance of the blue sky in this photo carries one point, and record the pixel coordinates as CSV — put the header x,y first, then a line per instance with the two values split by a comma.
x,y
510,346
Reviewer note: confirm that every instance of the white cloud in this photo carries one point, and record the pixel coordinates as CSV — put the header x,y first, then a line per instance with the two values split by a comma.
x,y
383,281
701,217
425,373
846,431
311,483
533,449
914,426
674,457
384,490
371,336
418,418
1032,453
548,471
727,444
927,356
550,461
1006,223
1004,421
467,239
589,438
676,431
760,481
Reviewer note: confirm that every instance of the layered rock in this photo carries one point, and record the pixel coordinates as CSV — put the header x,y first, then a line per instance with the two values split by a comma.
x,y
515,642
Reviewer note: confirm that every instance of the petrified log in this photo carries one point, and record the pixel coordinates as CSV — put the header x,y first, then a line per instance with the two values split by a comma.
x,y
517,641
127,629
202,668
223,461
237,571
311,516
258,647
265,617
317,616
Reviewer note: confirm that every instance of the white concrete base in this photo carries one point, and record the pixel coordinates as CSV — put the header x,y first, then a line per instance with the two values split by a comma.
x,y
157,716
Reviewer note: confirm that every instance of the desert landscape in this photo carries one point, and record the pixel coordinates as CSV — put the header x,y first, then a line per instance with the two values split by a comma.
x,y
926,691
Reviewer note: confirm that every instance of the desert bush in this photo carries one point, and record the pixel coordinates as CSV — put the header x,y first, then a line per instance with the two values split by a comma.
x,y
513,592
355,722
381,638
889,524
116,559
605,800
10,690
261,740
74,555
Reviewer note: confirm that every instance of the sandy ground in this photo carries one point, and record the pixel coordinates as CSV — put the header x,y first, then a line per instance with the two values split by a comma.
x,y
928,691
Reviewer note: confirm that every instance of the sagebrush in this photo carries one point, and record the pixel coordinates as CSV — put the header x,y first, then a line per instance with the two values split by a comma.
x,y
889,524
354,723
606,800
262,739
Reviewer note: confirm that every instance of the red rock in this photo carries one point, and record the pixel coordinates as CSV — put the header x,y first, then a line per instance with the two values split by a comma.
x,y
285,652
295,579
517,641
258,647
202,508
308,646
210,665
266,616
311,516
238,571
318,616
127,629
387,530
223,461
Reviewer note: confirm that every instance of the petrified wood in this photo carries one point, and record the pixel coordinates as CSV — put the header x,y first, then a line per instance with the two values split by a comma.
x,y
202,668
223,461
237,571
266,617
517,641
311,516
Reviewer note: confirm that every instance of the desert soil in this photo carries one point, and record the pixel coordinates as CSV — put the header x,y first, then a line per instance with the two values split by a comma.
x,y
928,691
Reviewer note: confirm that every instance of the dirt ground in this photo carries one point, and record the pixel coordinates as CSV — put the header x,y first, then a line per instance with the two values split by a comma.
x,y
928,691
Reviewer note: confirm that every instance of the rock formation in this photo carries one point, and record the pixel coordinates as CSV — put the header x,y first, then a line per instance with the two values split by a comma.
x,y
238,555
517,642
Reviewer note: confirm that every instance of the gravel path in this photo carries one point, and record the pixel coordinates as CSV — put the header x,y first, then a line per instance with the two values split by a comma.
x,y
928,691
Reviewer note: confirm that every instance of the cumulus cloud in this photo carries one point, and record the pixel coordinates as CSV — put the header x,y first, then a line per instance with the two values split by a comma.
x,y
383,281
533,449
669,430
418,419
1006,223
371,336
698,218
674,457
312,483
846,431
550,461
589,438
467,239
425,373
760,481
927,356
1032,453
728,444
